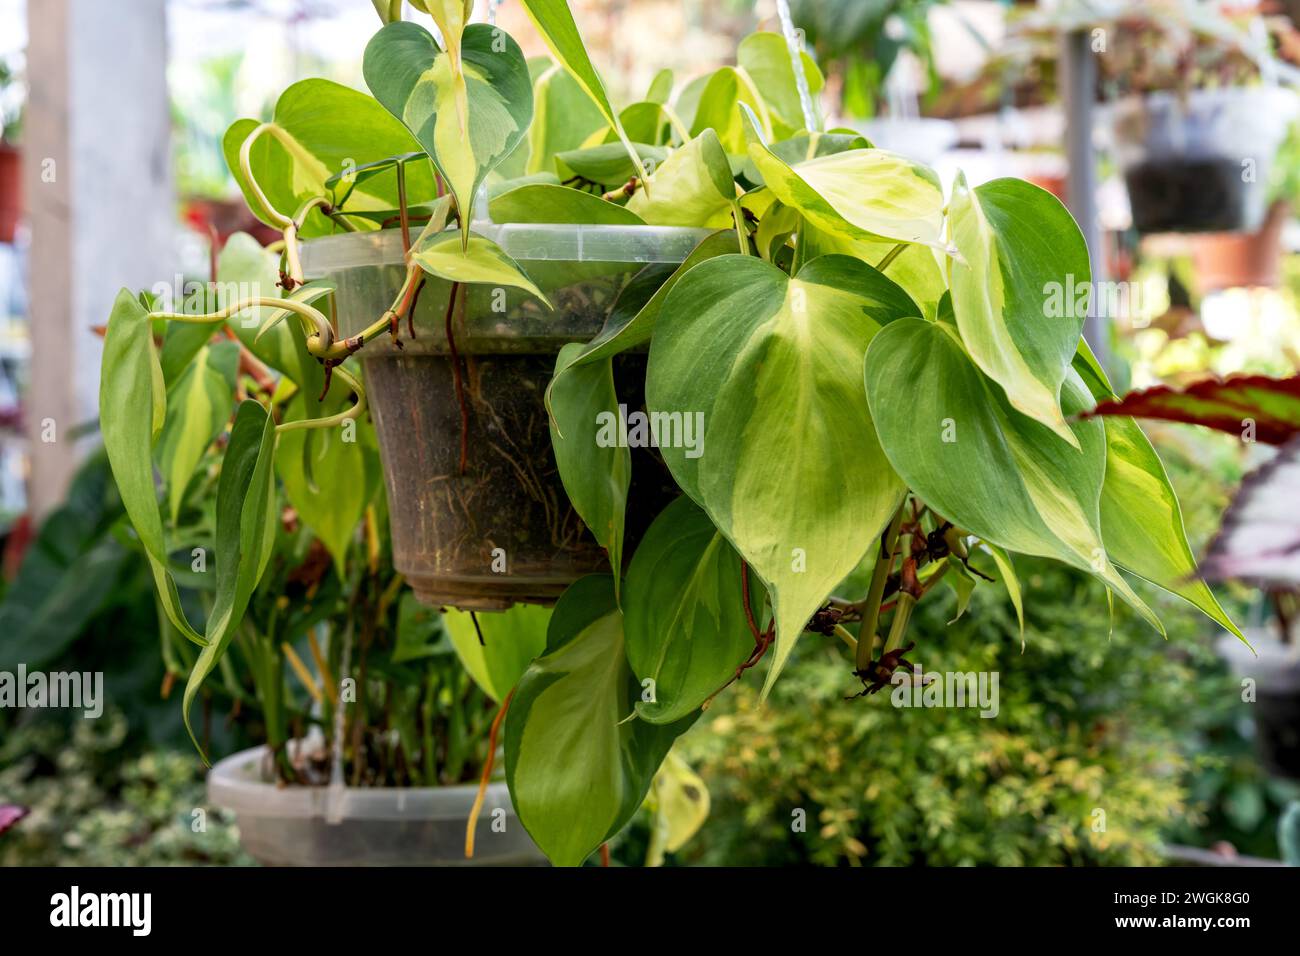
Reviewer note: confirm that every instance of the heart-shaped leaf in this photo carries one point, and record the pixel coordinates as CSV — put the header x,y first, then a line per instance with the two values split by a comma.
x,y
1018,245
480,260
684,613
577,767
692,187
772,363
323,129
866,194
510,640
609,163
543,202
414,80
960,446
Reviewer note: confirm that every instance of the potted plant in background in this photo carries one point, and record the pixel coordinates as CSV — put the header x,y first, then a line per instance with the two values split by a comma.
x,y
11,115
830,327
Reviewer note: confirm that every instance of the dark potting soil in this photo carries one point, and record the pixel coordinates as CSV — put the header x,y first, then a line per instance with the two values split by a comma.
x,y
1193,195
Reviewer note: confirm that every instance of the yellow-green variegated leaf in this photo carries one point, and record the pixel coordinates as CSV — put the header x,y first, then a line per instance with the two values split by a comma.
x,y
1020,256
1141,520
548,202
766,58
728,95
480,261
452,17
323,129
414,80
960,446
577,766
773,366
867,194
692,187
510,641
554,22
918,269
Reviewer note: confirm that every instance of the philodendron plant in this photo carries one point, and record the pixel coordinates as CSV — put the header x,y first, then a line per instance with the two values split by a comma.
x,y
889,381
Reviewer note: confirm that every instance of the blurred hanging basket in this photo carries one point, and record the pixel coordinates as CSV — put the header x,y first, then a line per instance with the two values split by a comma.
x,y
1200,162
1233,260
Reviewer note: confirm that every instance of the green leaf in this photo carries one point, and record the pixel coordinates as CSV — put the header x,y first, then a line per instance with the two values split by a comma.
x,y
959,445
595,467
1141,520
684,612
632,321
542,202
766,58
565,119
692,187
555,23
512,639
481,261
918,269
245,532
129,377
414,80
728,95
198,406
330,493
609,163
324,129
773,366
1020,252
867,194
451,16
962,583
577,767
661,87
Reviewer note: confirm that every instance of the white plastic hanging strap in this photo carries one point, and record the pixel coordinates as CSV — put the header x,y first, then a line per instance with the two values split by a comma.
x,y
337,796
796,61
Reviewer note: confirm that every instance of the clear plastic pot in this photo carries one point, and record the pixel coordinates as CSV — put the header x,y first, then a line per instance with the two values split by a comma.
x,y
365,826
503,532
1200,162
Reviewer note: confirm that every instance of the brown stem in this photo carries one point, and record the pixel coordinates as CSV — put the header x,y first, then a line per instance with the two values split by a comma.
x,y
475,810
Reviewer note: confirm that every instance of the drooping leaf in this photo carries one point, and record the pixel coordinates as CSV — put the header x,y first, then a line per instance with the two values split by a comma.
x,y
199,404
595,467
245,532
128,382
692,187
1010,583
684,612
766,58
555,23
974,459
1267,409
1141,520
1259,539
324,129
413,79
511,641
542,202
867,194
482,260
1018,246
577,767
962,583
679,805
772,363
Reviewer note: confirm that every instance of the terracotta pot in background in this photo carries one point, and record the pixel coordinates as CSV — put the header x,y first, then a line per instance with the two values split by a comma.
x,y
10,191
1230,260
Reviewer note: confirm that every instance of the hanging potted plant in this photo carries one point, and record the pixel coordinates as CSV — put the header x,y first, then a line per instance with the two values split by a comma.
x,y
856,387
10,158
1253,259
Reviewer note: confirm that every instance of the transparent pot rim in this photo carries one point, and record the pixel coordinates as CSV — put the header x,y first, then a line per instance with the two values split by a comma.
x,y
523,242
235,783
